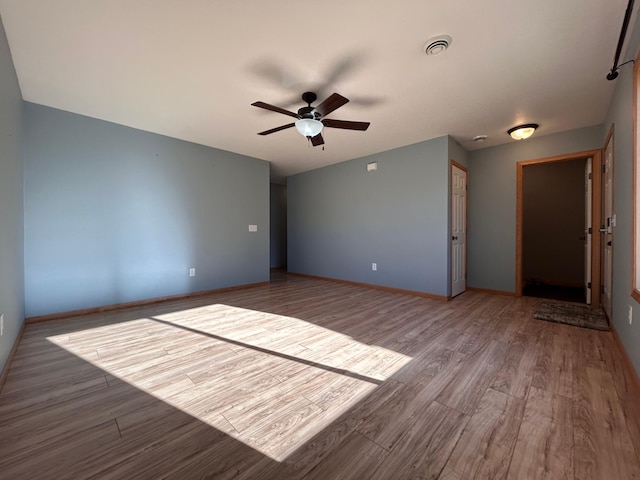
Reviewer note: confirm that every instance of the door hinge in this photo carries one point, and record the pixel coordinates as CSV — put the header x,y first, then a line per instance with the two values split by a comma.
x,y
590,230
590,176
589,285
604,168
601,288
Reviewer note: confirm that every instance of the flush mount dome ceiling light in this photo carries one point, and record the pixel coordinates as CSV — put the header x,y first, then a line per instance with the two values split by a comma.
x,y
522,132
437,45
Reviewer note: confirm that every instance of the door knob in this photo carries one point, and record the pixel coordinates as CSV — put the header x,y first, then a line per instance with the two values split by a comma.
x,y
453,237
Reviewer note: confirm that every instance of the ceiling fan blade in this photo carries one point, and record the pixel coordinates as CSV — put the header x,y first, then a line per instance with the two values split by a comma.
x,y
333,102
317,140
266,106
344,124
277,129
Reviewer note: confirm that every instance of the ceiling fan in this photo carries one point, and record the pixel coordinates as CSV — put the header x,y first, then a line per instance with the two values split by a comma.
x,y
311,120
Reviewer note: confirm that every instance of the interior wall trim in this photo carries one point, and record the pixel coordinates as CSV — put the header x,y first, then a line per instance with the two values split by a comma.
x,y
626,358
138,303
7,365
494,292
376,287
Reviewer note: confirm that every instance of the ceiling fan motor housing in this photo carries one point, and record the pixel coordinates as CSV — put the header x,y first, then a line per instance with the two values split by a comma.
x,y
308,112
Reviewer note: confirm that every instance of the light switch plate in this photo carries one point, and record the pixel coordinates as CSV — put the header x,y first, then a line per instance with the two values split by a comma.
x,y
253,228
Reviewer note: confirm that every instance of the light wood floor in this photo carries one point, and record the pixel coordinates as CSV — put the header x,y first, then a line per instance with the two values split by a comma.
x,y
306,379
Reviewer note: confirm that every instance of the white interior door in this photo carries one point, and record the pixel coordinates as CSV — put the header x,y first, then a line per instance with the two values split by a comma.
x,y
588,189
458,230
607,228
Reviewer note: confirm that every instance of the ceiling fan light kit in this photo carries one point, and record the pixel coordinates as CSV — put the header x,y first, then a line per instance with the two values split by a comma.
x,y
308,127
522,132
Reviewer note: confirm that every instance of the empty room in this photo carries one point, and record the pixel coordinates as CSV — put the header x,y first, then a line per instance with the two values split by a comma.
x,y
358,240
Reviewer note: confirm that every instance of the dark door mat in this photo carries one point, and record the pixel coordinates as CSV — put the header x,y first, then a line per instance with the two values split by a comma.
x,y
572,314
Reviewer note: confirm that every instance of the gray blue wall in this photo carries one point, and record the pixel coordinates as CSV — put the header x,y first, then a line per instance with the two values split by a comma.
x,y
620,115
341,219
11,191
278,216
114,215
492,202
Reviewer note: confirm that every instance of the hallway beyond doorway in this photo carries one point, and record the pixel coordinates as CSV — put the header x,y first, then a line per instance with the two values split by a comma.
x,y
555,292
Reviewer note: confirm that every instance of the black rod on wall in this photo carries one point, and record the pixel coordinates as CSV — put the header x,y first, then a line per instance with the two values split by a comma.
x,y
613,74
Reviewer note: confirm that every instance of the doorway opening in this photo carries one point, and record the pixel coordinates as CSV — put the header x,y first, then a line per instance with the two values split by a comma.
x,y
558,205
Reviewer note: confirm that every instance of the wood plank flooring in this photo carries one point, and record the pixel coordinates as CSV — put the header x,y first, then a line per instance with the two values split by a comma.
x,y
308,379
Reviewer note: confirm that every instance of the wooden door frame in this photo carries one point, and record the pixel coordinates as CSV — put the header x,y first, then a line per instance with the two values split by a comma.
x,y
595,215
602,206
453,163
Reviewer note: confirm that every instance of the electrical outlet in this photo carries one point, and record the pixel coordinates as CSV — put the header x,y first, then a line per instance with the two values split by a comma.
x,y
1,324
374,267
630,314
192,272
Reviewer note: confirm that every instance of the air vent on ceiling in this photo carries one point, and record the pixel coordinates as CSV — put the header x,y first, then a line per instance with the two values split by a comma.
x,y
437,45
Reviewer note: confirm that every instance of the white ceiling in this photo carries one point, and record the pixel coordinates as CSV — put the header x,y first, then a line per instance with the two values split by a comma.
x,y
190,69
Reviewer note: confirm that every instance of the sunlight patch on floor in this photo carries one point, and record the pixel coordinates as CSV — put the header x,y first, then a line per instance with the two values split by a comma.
x,y
269,381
